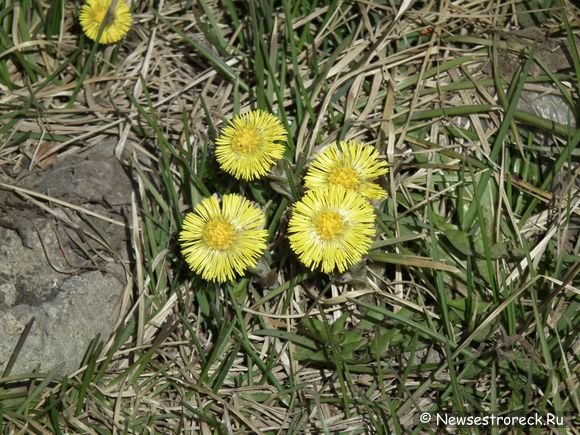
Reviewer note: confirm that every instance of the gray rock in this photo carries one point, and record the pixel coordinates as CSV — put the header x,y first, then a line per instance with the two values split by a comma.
x,y
69,310
62,271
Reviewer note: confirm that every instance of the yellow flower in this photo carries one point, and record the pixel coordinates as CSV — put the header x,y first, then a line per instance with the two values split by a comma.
x,y
349,164
117,22
220,239
332,227
247,147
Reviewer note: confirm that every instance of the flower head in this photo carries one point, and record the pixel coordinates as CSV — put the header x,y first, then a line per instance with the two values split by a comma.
x,y
332,227
248,146
218,239
351,165
117,22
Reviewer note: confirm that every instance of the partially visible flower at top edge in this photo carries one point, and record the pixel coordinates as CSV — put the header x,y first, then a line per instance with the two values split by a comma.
x,y
221,238
331,227
349,164
117,22
250,144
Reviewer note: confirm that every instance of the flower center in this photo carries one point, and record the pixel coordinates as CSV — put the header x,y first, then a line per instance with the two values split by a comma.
x,y
346,177
328,224
219,234
100,14
246,140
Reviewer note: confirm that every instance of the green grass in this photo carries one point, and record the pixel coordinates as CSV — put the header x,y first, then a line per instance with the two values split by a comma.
x,y
467,302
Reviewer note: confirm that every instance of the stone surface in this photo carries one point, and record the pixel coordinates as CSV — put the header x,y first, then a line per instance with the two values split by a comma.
x,y
63,272
69,310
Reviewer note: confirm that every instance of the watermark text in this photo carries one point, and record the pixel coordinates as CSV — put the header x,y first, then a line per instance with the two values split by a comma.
x,y
531,420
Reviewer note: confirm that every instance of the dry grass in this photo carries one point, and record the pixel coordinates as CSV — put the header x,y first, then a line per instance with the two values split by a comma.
x,y
467,304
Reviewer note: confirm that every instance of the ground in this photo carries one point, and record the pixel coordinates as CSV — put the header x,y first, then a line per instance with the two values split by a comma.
x,y
466,304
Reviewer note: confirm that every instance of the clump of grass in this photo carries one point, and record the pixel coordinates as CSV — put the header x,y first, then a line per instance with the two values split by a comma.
x,y
468,300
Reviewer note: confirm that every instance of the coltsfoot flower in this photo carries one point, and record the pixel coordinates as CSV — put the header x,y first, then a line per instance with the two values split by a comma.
x,y
250,144
117,22
351,165
332,227
219,240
